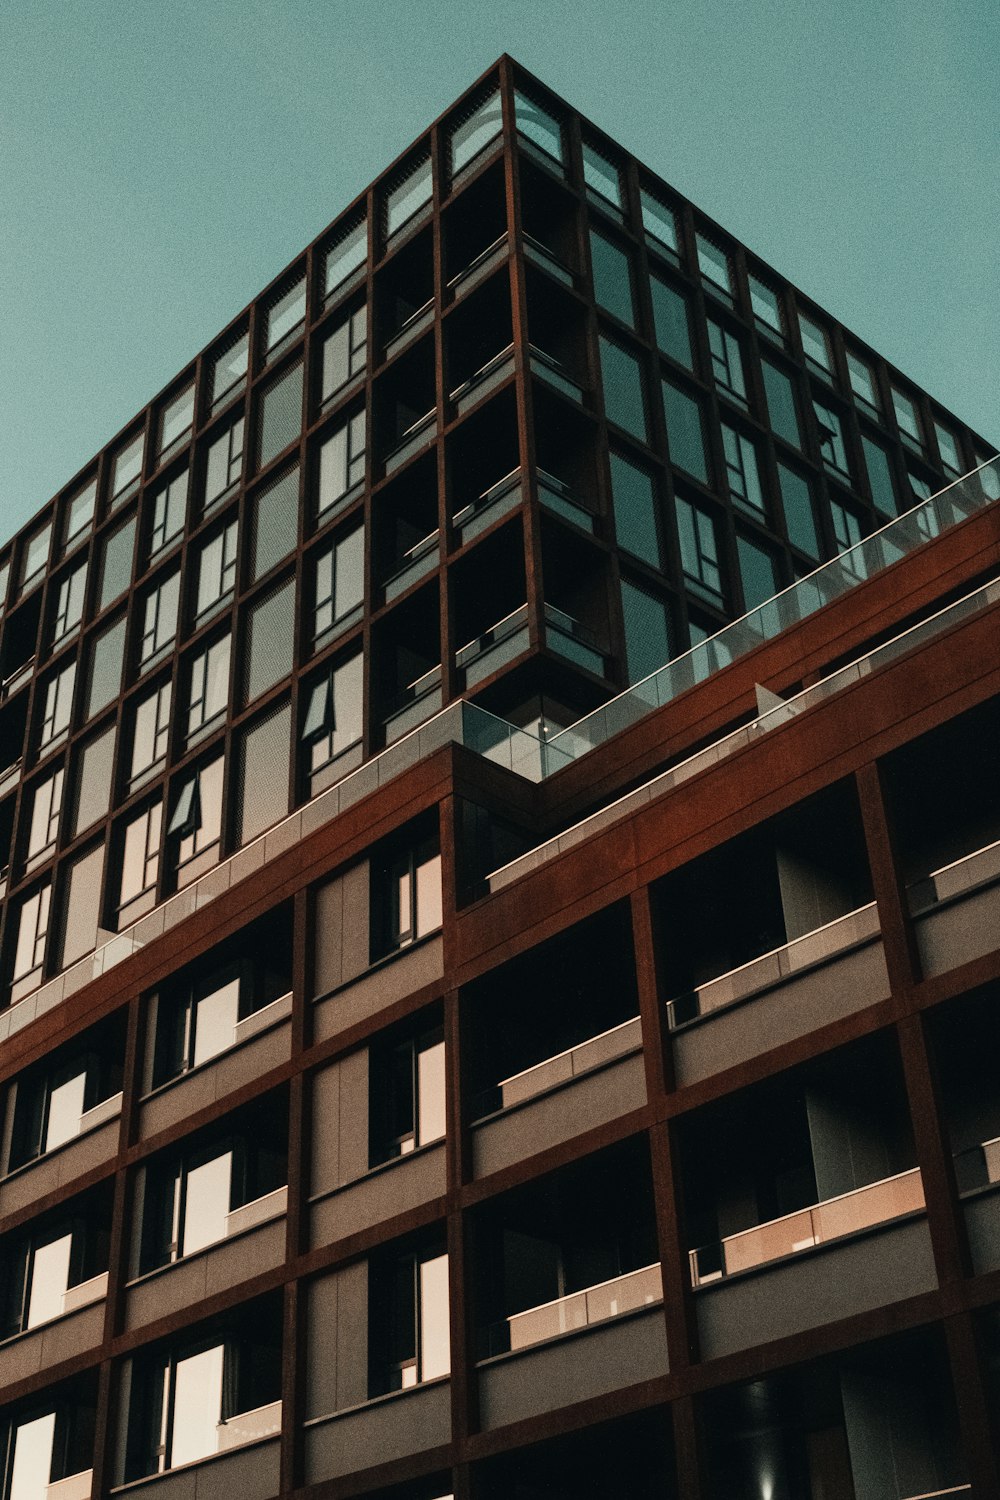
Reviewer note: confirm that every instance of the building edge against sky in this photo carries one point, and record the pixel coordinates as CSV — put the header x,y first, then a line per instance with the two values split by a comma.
x,y
497,1000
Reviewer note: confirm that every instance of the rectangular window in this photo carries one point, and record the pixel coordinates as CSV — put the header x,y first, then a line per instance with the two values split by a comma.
x,y
670,321
766,305
92,784
634,499
782,409
333,720
46,807
816,346
216,572
624,398
759,572
908,418
919,485
863,385
685,433
831,438
538,127
647,631
742,469
948,448
78,516
406,896
29,953
285,316
176,422
660,224
879,467
150,734
406,1096
716,270
159,620
208,688
57,706
229,369
224,464
140,865
262,790
116,564
340,583
274,523
169,510
196,821
601,177
727,362
344,354
126,468
796,502
341,464
474,132
613,289
70,594
35,556
47,1275
408,195
346,258
699,549
279,416
846,527
270,640
107,657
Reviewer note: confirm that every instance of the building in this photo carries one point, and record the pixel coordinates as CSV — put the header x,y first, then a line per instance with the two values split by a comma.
x,y
500,929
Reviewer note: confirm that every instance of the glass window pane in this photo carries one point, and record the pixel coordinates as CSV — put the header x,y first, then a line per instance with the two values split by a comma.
x,y
116,563
140,860
216,571
624,401
82,905
862,381
713,262
684,431
285,314
262,793
815,344
36,555
879,467
908,418
177,419
344,353
206,1203
80,512
428,893
797,504
647,632
224,463
65,1109
93,781
634,499
57,705
216,1015
670,319
45,809
430,1094
538,126
699,548
69,602
270,639
408,196
49,1279
781,407
197,1406
435,1338
341,462
601,175
659,223
948,448
31,1470
169,510
274,522
612,278
106,660
230,367
472,135
742,469
279,416
126,468
727,362
346,255
759,572
831,437
766,305
32,932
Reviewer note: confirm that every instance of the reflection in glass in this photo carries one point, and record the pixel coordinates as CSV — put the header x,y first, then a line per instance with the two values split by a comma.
x,y
49,1280
435,1343
216,1015
206,1202
65,1109
197,1405
32,1467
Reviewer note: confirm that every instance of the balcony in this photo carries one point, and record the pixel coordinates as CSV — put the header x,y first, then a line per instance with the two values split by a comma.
x,y
410,328
956,910
413,437
573,1063
250,1426
577,642
417,701
553,373
487,378
488,507
488,652
17,679
416,562
541,255
608,1299
559,498
73,1487
481,266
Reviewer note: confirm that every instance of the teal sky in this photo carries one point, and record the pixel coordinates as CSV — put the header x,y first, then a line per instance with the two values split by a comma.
x,y
161,160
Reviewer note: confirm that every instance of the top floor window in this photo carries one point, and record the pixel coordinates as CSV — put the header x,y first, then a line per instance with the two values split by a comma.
x,y
34,556
176,422
716,270
540,129
78,515
908,418
229,369
345,258
126,467
660,225
601,177
407,196
406,893
862,378
948,448
816,346
766,305
475,131
285,316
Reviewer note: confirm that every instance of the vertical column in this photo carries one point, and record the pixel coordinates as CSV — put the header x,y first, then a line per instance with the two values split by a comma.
x,y
296,1224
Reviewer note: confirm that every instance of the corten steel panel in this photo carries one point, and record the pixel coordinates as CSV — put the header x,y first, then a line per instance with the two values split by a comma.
x,y
59,1168
780,1013
574,1107
214,1080
179,1287
376,991
51,1343
964,929
378,1432
607,1357
835,1281
390,1190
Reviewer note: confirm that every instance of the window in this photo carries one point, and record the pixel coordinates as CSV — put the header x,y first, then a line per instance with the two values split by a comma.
x,y
159,620
766,305
345,258
269,641
216,572
92,785
229,369
624,399
406,1096
46,806
536,126
150,734
81,906
670,321
648,644
685,435
816,346
759,572
224,464
140,865
46,1449
919,485
70,593
612,278
879,467
340,583
38,1276
660,224
796,502
52,1102
4,580
196,821
168,512
408,195
344,353
475,132
908,418
409,1331
333,719
261,793
948,448
846,527
78,516
125,470
285,316
274,522
782,408
279,416
716,271
831,438
57,706
29,952
176,422
601,177
341,463
863,385
742,470
699,550
35,556
116,564
633,494
406,895
727,362
104,678
208,688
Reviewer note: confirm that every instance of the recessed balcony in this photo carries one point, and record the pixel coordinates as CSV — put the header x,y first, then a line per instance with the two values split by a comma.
x,y
497,646
496,501
956,910
484,380
596,1304
481,266
416,562
415,703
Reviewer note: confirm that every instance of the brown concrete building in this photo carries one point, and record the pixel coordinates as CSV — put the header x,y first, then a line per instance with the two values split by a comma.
x,y
501,841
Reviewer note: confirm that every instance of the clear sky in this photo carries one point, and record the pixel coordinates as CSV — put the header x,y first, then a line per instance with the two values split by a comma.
x,y
161,160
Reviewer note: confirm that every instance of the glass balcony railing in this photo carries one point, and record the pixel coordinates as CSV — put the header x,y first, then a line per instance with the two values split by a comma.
x,y
542,256
489,506
490,375
413,324
864,1208
574,640
416,562
597,1304
559,498
563,1067
554,373
416,702
479,267
963,876
495,647
411,439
